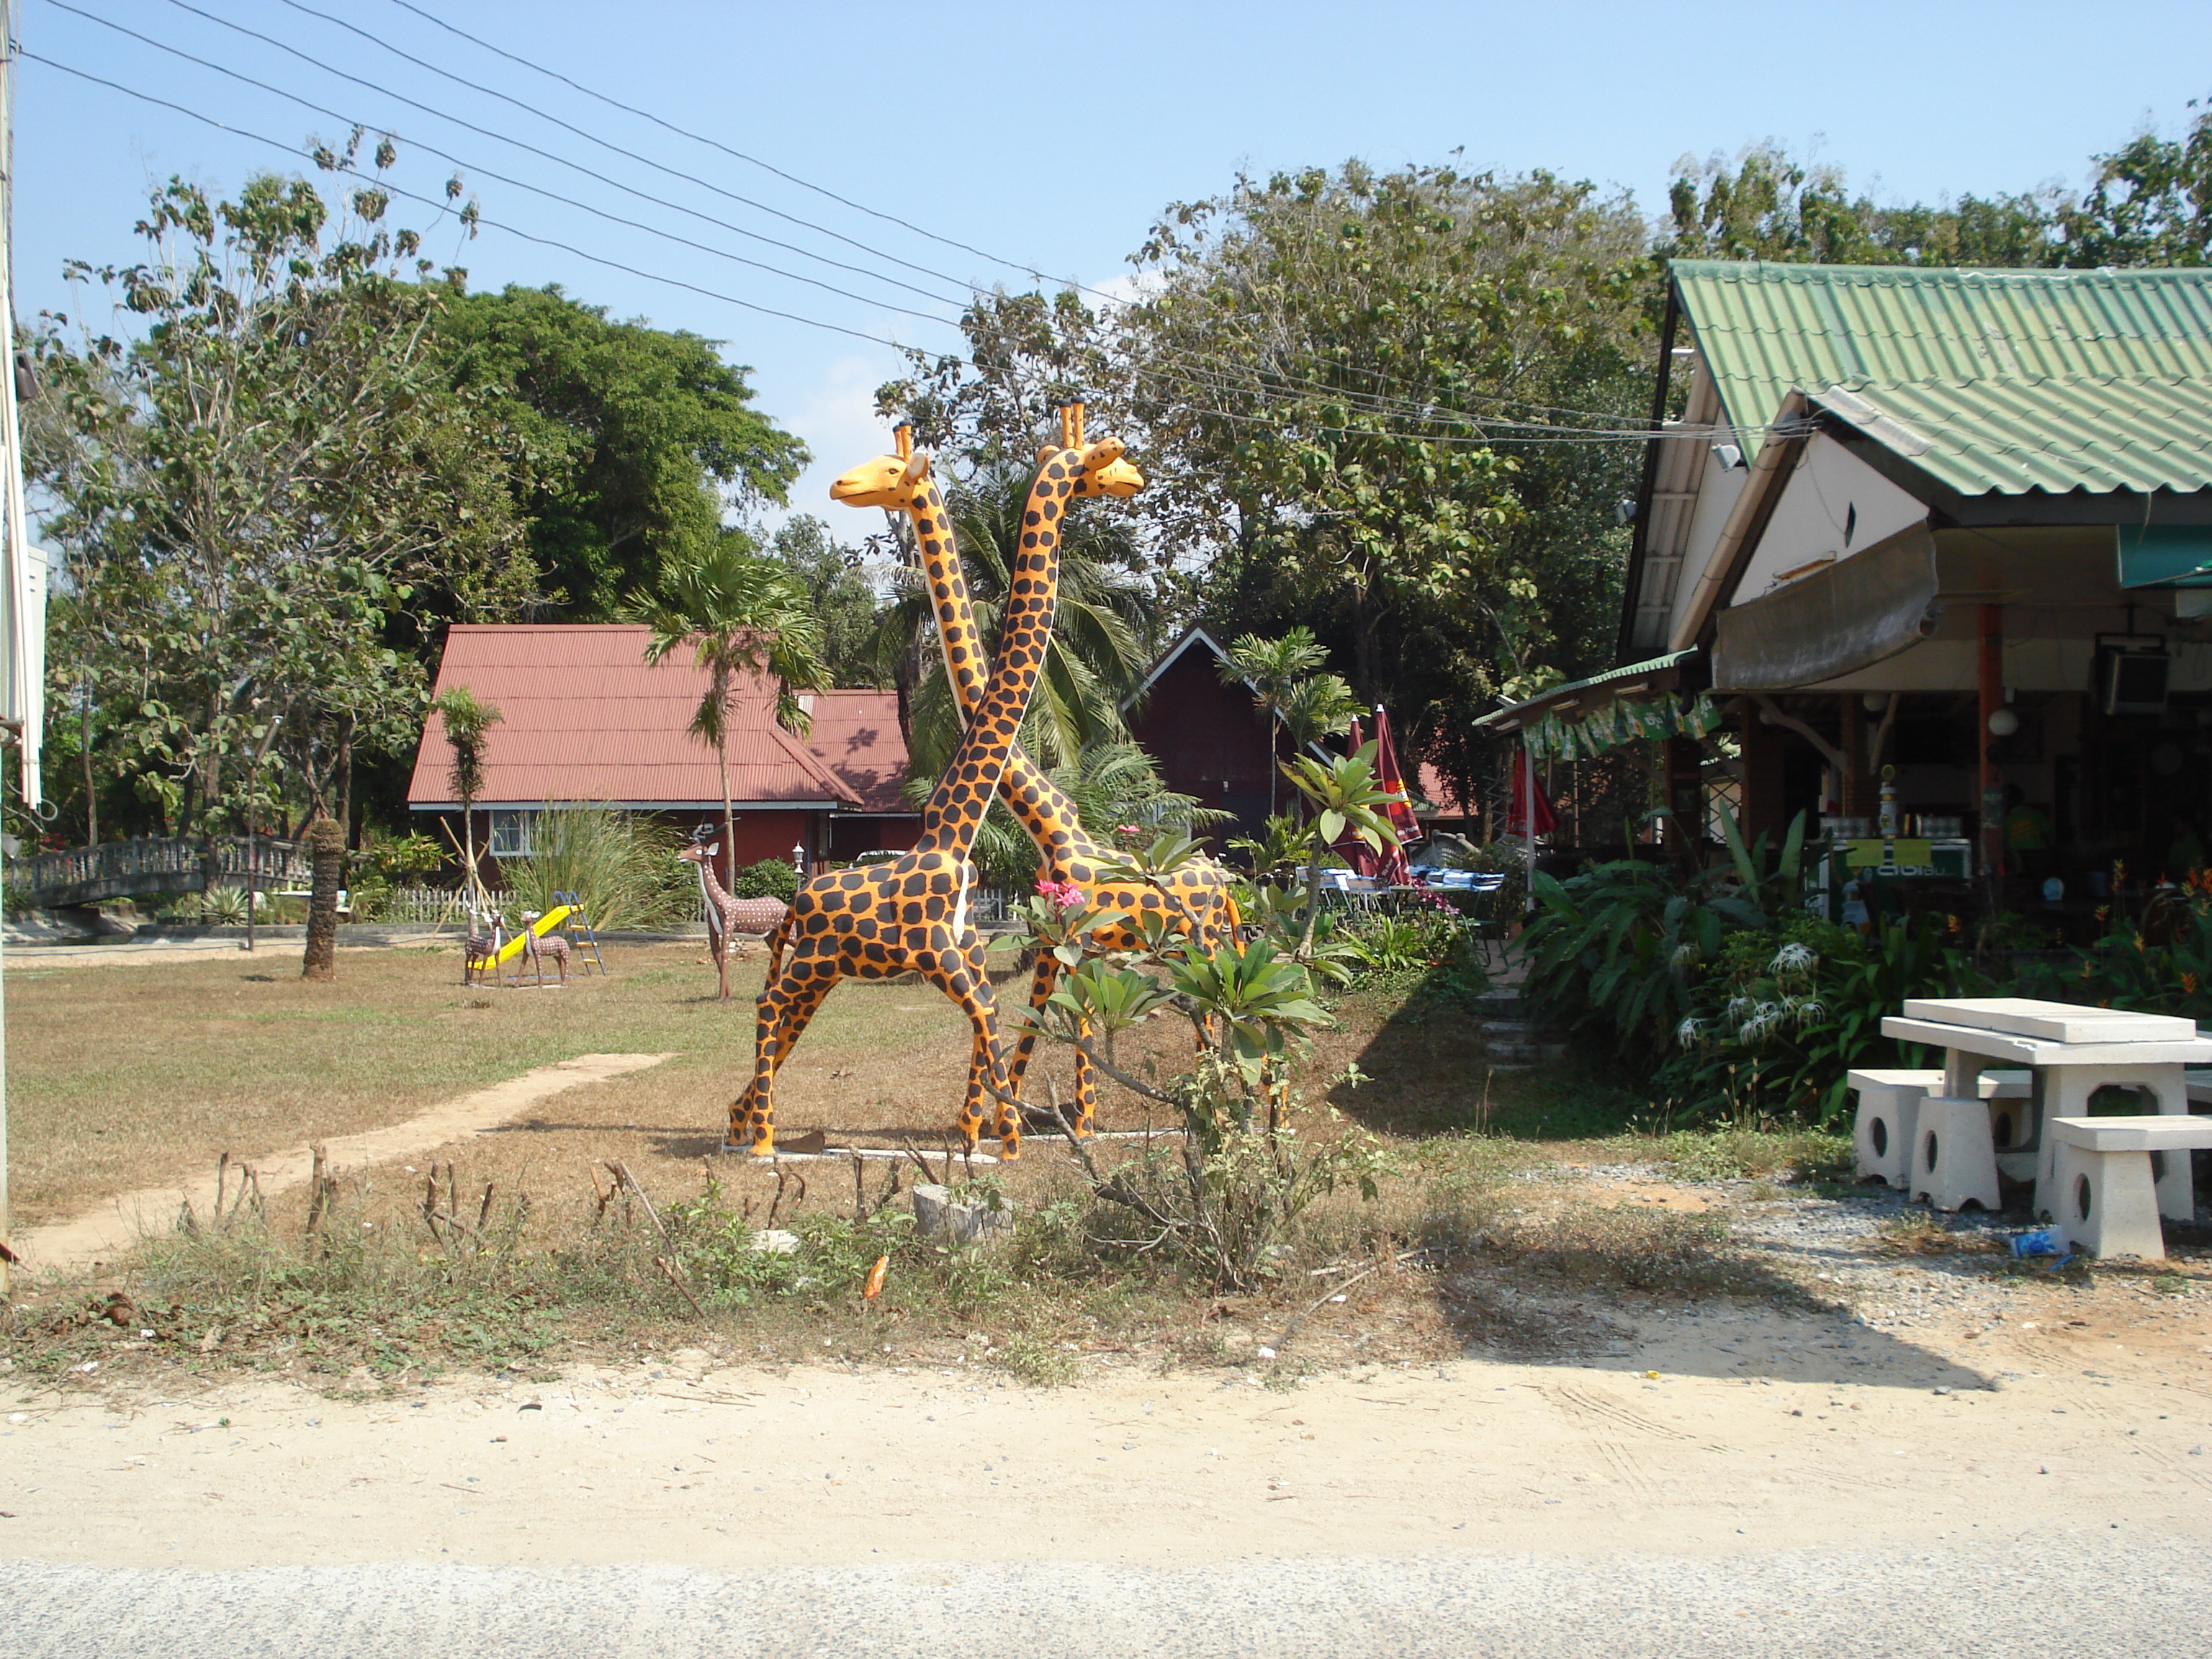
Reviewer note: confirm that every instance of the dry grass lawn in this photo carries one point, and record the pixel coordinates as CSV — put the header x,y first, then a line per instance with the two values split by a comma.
x,y
123,1077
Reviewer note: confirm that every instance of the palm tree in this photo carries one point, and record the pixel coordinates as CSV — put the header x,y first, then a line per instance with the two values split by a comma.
x,y
1288,691
743,616
1101,637
466,721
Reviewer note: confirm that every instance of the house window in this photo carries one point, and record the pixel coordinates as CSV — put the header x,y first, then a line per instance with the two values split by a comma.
x,y
510,834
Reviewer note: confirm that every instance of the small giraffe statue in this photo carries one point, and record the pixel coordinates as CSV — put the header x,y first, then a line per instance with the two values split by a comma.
x,y
729,915
910,915
1203,907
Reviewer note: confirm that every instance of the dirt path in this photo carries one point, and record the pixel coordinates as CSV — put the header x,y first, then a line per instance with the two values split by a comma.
x,y
96,1234
698,1462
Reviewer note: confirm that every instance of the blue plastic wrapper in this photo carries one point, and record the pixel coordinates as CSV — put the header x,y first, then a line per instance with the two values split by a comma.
x,y
2044,1241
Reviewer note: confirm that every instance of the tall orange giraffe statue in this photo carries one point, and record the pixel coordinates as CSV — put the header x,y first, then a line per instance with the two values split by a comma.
x,y
1202,906
910,915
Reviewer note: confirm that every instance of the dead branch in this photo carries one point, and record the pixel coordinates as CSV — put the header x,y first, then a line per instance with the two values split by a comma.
x,y
669,1273
621,1172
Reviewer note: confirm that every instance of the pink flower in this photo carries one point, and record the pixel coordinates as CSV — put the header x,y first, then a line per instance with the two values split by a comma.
x,y
1065,894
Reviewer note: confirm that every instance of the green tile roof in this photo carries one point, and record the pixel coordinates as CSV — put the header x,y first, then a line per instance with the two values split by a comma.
x,y
2002,381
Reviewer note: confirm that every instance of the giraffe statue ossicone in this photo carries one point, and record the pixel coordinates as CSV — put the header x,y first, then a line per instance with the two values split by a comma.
x,y
1197,901
911,915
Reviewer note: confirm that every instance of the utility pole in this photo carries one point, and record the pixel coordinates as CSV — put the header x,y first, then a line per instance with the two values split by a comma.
x,y
22,698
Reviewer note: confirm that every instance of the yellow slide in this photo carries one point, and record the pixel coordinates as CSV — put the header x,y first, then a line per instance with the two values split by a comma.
x,y
545,925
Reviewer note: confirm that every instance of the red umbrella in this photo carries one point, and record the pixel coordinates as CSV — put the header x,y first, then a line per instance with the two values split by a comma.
x,y
1390,862
1401,812
1527,792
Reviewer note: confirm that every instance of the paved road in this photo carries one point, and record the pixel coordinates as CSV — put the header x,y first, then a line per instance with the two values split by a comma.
x,y
2067,1597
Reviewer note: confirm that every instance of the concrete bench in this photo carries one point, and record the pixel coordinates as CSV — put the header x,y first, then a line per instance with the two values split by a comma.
x,y
1883,1127
2104,1191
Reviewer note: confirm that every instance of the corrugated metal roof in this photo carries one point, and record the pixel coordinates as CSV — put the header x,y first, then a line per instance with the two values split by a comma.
x,y
584,718
2014,380
856,736
1520,712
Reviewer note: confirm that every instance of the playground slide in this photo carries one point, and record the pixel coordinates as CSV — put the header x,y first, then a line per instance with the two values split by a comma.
x,y
545,925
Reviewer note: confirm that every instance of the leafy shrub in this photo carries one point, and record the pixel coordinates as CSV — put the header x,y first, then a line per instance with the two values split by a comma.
x,y
2159,963
769,878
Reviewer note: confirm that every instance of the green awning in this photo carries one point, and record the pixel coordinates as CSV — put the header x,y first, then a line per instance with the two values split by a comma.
x,y
2165,555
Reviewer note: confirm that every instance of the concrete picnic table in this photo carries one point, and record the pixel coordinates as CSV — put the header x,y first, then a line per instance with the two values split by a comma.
x,y
2073,1052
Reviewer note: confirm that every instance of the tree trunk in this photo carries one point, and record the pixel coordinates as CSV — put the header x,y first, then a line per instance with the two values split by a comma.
x,y
326,842
84,747
343,784
729,808
469,884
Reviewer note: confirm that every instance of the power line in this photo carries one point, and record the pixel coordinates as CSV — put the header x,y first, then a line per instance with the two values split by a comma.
x,y
444,207
1404,404
544,155
737,155
569,201
580,132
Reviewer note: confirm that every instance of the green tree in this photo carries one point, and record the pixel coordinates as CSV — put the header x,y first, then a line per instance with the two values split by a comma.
x,y
465,720
642,440
1289,690
259,483
835,579
2150,202
1768,205
743,617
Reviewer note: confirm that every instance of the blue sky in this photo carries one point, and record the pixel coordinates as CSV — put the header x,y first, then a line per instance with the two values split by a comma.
x,y
1048,136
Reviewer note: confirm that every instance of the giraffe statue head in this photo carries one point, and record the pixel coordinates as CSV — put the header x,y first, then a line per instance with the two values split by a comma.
x,y
1103,471
888,481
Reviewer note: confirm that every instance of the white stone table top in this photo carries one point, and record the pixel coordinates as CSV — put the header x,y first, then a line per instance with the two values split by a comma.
x,y
2029,1051
2051,1021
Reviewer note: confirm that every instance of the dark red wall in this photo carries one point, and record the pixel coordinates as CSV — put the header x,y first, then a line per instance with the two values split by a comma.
x,y
852,834
1209,741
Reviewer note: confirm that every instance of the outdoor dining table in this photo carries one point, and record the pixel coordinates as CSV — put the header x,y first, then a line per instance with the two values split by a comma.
x,y
2073,1052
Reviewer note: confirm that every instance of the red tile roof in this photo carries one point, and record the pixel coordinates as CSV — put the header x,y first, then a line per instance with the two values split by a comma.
x,y
856,736
1431,786
586,719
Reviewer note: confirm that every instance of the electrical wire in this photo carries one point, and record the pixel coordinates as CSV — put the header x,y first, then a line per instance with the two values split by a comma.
x,y
446,207
566,127
1408,406
555,196
532,149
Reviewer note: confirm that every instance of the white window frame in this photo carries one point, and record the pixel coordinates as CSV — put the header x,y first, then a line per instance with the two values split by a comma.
x,y
510,836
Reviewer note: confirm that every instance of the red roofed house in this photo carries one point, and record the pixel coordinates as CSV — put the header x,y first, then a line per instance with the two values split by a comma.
x,y
584,718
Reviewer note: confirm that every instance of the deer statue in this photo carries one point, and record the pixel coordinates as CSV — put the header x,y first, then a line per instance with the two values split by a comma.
x,y
1196,902
553,945
910,913
727,916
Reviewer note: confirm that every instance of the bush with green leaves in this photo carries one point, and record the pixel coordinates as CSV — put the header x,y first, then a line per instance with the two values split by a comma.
x,y
2158,962
1717,987
773,878
1221,1202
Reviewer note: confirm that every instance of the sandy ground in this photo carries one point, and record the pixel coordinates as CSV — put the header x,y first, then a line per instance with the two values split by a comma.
x,y
691,1461
86,1239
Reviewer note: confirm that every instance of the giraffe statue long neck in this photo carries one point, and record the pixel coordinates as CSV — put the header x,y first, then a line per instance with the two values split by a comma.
x,y
1040,805
957,808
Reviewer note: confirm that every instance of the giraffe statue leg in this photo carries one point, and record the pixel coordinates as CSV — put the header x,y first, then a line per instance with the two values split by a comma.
x,y
787,1005
967,987
1042,978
